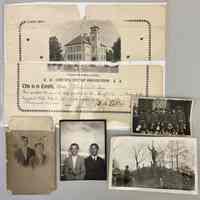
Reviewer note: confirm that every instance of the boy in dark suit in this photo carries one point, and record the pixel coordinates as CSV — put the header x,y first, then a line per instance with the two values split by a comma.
x,y
95,165
24,154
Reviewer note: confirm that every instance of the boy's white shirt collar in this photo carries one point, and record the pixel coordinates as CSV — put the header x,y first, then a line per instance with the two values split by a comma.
x,y
74,158
94,157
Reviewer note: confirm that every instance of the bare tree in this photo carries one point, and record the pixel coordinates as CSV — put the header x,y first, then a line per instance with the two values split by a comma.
x,y
161,152
139,155
181,153
55,49
115,163
116,50
177,153
161,155
170,153
154,154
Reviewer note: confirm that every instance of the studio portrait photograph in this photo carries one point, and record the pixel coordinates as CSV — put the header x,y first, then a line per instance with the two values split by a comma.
x,y
83,150
162,116
31,162
26,155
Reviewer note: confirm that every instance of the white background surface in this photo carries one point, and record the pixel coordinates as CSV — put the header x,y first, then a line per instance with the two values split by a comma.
x,y
182,80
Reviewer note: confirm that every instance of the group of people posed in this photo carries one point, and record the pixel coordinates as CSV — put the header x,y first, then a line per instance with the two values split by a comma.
x,y
30,157
77,167
160,121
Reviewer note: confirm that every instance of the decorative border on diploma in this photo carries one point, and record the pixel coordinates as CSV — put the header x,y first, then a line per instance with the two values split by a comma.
x,y
149,33
79,111
149,48
129,20
20,33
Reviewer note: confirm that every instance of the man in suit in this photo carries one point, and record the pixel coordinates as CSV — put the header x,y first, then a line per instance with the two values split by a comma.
x,y
74,166
24,154
40,157
95,165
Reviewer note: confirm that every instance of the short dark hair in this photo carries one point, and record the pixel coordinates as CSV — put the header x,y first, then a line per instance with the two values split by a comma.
x,y
74,144
39,144
95,144
24,137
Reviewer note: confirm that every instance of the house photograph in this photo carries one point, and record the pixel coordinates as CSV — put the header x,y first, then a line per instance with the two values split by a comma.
x,y
88,40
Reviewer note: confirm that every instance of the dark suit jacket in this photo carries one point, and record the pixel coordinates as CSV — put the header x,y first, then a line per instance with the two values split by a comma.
x,y
95,169
74,174
20,156
34,160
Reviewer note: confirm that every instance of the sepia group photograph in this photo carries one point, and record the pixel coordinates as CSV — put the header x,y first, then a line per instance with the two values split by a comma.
x,y
161,116
162,164
83,150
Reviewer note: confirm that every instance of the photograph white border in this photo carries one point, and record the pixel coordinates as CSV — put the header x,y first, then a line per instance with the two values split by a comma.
x,y
194,192
164,98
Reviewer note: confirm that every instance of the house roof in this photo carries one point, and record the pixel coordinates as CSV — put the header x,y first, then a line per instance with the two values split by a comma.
x,y
78,40
81,39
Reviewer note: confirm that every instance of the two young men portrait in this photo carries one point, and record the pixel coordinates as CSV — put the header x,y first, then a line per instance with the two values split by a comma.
x,y
76,167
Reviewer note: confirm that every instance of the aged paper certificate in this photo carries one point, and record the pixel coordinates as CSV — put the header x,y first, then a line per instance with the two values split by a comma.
x,y
31,160
79,64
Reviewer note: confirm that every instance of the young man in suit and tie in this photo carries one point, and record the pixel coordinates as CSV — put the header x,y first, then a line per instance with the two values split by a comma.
x,y
24,154
95,165
74,166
